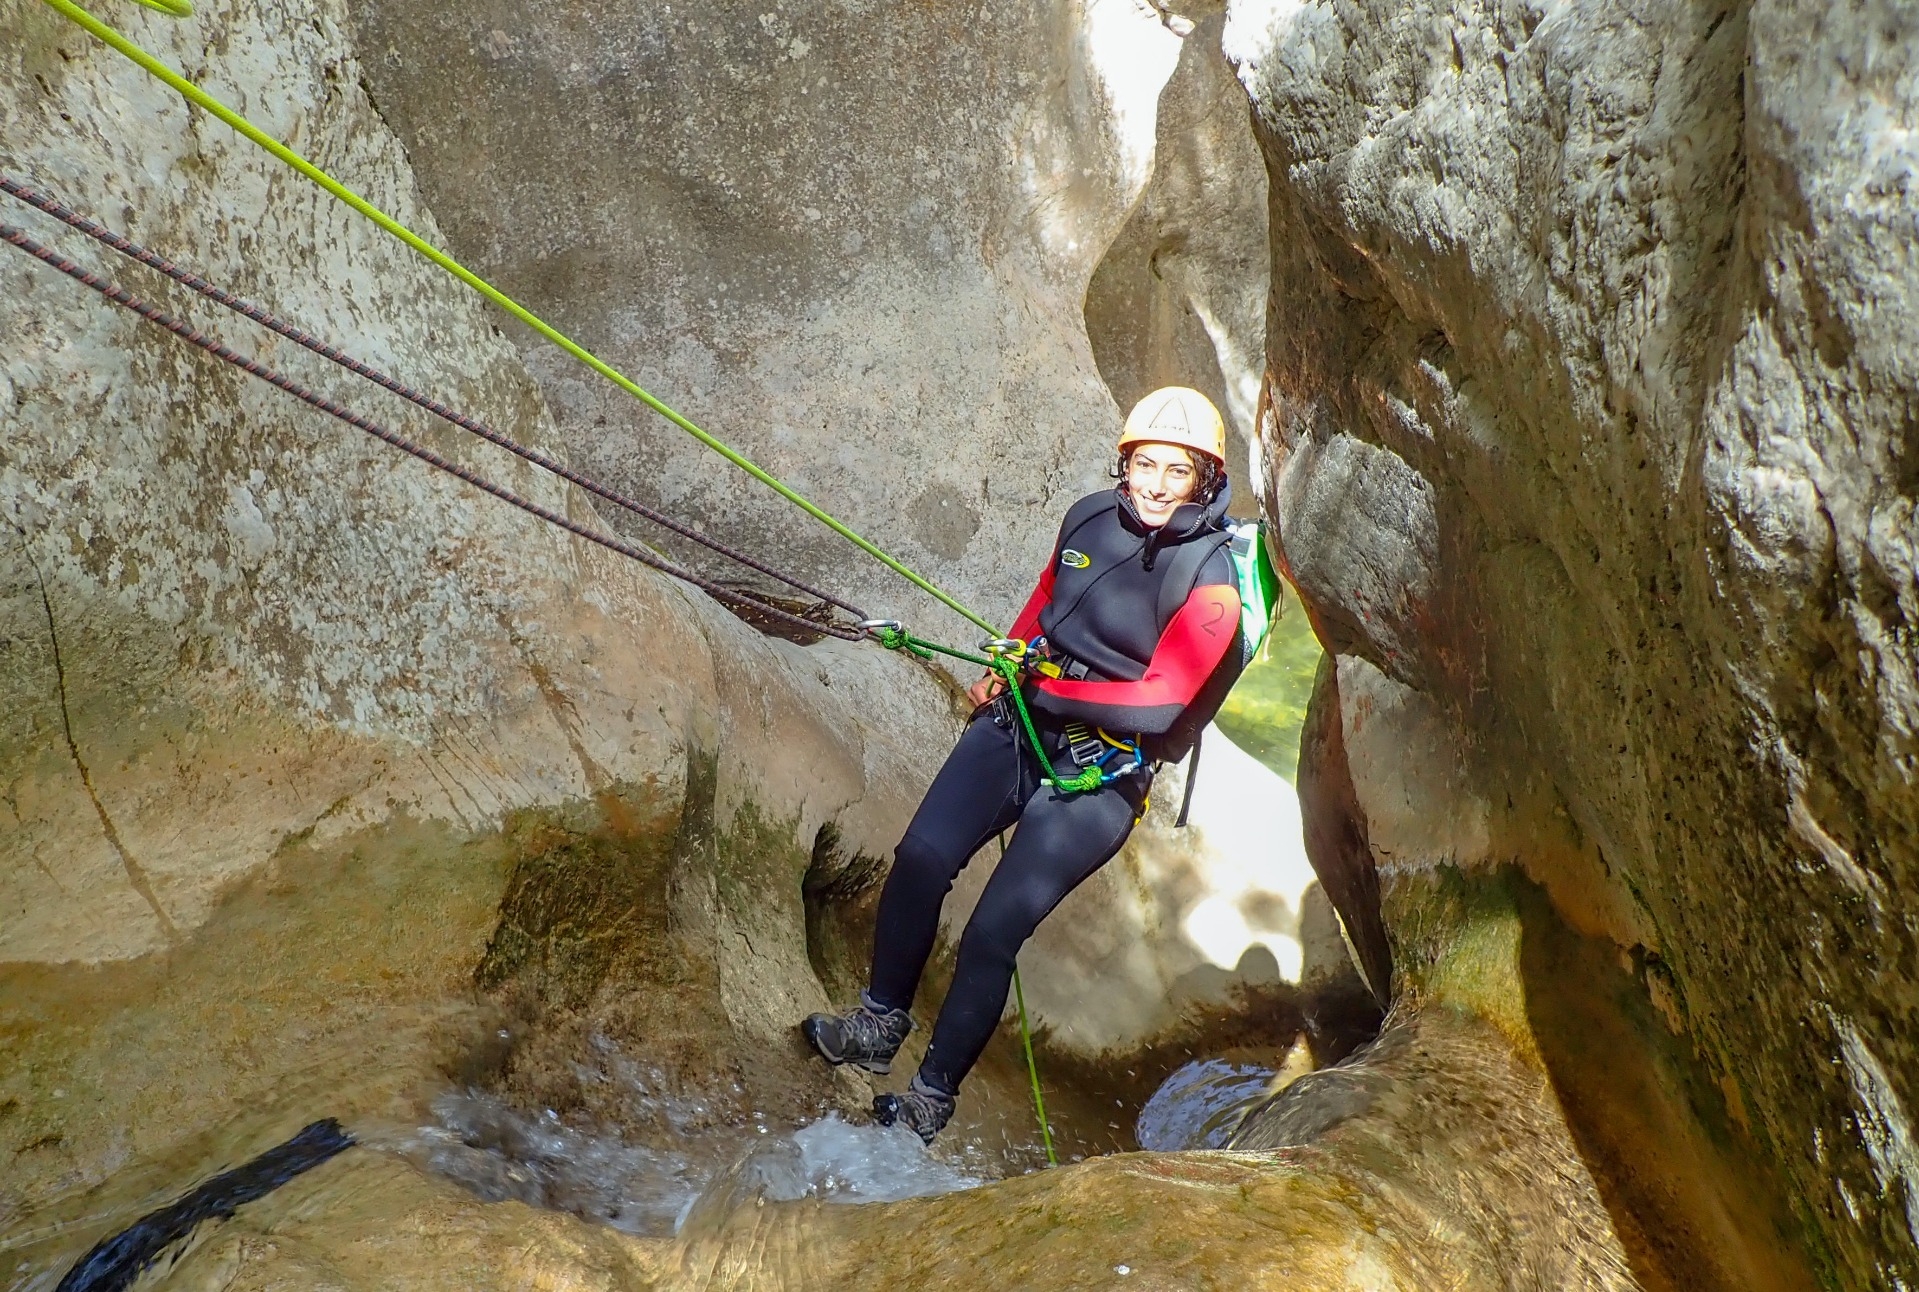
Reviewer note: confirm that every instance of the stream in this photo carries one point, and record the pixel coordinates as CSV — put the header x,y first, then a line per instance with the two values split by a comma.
x,y
653,1190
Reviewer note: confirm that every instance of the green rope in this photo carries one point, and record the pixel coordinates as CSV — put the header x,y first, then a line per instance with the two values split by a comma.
x,y
900,639
195,95
1032,1073
1089,777
1026,1040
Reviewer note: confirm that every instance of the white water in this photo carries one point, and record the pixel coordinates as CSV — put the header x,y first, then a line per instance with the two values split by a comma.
x,y
693,1163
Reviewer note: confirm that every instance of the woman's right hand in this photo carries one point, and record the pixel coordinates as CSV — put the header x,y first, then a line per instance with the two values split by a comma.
x,y
981,693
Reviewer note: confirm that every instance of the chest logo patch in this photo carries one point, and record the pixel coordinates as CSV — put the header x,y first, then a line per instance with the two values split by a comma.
x,y
1078,560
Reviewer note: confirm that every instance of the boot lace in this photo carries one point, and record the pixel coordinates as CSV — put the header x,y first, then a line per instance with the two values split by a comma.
x,y
867,1030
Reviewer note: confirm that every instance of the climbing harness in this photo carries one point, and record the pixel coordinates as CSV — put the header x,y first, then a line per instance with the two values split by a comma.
x,y
1005,656
120,296
194,94
134,251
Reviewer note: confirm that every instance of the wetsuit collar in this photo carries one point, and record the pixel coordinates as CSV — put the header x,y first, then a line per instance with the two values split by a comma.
x,y
1187,520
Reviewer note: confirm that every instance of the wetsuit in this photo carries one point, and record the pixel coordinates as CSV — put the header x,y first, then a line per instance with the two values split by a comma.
x,y
1137,661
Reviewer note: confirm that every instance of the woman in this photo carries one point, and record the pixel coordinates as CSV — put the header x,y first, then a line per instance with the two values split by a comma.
x,y
1127,665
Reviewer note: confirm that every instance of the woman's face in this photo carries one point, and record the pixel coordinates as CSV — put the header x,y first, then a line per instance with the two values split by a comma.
x,y
1159,477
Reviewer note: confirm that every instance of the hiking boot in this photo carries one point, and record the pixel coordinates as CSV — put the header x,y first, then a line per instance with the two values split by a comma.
x,y
867,1038
922,1109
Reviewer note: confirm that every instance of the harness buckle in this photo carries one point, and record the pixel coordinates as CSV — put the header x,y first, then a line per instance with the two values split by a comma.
x,y
1084,745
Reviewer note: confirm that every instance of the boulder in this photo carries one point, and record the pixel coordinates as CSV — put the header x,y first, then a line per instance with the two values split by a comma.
x,y
853,243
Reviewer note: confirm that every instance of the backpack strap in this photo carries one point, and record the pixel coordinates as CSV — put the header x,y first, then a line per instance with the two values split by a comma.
x,y
1192,775
1182,572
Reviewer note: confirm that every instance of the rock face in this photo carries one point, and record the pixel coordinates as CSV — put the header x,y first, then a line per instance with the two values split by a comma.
x,y
854,243
1180,297
1587,428
265,685
873,283
1590,436
323,773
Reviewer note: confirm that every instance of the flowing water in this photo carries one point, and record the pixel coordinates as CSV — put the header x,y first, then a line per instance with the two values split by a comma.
x,y
1201,1105
707,1171
503,1153
648,1186
690,1173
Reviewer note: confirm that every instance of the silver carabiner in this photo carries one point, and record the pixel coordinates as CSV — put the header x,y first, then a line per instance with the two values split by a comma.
x,y
999,647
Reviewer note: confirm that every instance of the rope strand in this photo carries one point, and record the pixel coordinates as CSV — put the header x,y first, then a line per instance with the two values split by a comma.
x,y
194,94
120,296
100,233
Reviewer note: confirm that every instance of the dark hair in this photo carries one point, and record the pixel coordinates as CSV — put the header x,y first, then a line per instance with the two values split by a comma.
x,y
1207,472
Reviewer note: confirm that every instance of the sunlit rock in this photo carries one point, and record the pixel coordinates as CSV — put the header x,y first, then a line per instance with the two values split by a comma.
x,y
853,242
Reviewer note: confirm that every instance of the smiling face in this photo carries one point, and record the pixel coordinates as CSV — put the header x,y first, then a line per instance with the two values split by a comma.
x,y
1159,477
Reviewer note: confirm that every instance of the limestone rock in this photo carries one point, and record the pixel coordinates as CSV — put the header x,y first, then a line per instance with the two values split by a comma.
x,y
1590,419
852,242
243,645
1180,297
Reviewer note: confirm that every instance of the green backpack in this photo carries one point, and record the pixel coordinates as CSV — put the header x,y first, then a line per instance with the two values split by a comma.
x,y
1260,590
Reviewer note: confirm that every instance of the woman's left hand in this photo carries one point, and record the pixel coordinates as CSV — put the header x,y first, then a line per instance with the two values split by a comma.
x,y
981,693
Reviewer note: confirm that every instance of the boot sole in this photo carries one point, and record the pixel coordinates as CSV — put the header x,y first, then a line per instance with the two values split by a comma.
x,y
810,1029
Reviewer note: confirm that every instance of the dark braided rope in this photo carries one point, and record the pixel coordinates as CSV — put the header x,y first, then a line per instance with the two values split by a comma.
x,y
120,296
244,307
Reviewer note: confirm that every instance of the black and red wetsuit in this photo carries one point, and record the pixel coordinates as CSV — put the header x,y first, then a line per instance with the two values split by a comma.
x,y
1101,604
1138,658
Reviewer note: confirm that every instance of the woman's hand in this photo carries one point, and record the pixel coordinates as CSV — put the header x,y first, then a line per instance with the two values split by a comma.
x,y
983,691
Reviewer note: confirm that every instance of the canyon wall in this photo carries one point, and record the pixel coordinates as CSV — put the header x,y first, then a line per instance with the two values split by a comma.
x,y
321,771
853,241
301,741
1589,431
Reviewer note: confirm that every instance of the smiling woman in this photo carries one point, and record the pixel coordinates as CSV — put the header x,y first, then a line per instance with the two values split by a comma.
x,y
1132,639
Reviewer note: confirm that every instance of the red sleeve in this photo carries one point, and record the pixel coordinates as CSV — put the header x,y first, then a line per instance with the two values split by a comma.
x,y
1189,650
1026,627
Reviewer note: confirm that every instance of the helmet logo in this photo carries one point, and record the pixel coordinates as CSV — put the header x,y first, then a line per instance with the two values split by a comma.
x,y
1170,416
1078,560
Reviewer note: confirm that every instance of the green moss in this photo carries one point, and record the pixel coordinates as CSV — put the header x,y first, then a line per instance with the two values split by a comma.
x,y
587,884
1456,939
1266,709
